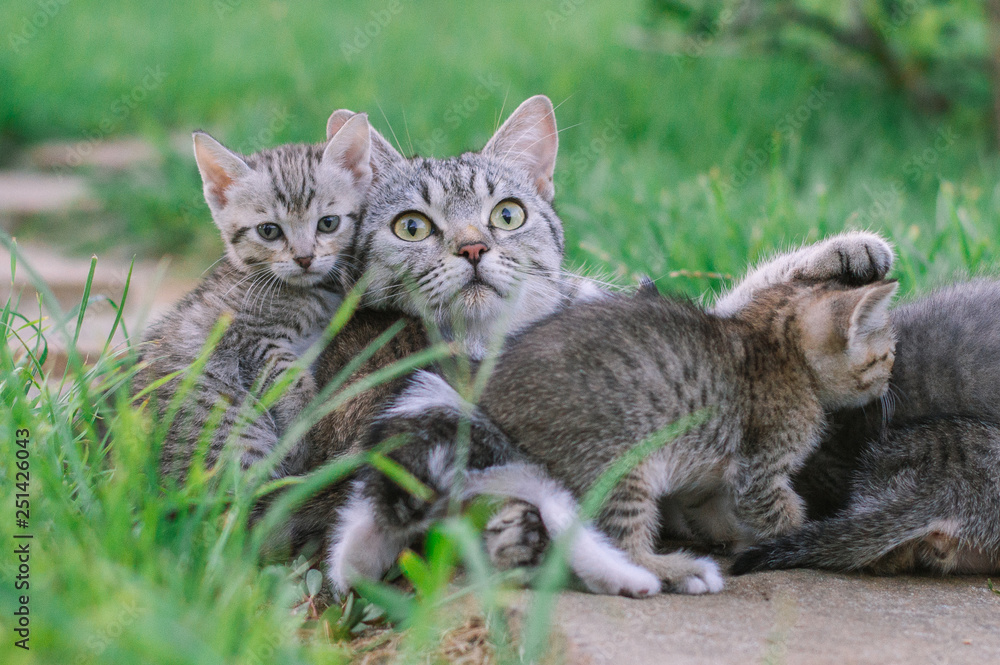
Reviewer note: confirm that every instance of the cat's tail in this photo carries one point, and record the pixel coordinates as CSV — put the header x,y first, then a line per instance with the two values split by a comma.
x,y
601,566
851,540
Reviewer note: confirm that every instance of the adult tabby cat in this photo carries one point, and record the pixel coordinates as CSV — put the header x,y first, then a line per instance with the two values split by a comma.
x,y
917,486
468,246
287,217
580,388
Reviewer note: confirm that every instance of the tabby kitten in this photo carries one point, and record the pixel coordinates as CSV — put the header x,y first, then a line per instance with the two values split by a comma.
x,y
516,537
914,484
580,388
287,217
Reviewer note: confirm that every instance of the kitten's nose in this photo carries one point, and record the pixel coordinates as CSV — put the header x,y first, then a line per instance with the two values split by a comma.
x,y
473,252
304,261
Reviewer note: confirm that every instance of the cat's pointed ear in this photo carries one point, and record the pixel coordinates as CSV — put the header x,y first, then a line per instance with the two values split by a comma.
x,y
219,166
384,155
529,138
336,121
350,148
870,315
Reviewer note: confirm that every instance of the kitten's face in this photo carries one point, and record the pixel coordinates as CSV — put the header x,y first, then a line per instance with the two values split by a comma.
x,y
470,241
289,211
848,340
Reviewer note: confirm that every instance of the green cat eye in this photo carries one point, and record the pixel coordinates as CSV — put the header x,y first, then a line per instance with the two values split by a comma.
x,y
412,226
328,224
508,215
269,231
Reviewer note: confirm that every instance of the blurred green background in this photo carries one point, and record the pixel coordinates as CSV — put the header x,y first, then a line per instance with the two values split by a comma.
x,y
696,135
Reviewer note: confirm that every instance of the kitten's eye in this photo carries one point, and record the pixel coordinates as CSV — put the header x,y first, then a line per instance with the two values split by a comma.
x,y
328,224
412,226
508,215
269,231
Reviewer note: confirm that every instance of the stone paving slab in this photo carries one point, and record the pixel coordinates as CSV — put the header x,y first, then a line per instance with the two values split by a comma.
x,y
806,617
153,289
27,193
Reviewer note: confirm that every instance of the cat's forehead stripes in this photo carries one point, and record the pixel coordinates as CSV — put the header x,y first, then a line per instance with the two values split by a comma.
x,y
293,178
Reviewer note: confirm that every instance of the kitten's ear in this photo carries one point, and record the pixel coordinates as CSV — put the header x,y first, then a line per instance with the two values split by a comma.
x,y
529,139
351,148
336,121
219,167
870,315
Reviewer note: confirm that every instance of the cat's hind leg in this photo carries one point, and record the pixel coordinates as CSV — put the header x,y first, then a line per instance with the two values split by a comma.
x,y
361,547
601,566
855,258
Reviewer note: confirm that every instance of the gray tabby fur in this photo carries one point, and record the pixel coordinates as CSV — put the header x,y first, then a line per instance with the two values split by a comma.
x,y
580,388
519,278
280,294
913,484
430,284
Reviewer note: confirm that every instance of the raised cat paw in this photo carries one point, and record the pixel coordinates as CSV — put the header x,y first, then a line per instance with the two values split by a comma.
x,y
855,258
515,537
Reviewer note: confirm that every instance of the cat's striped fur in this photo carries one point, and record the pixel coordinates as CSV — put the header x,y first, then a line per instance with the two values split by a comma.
x,y
279,291
430,283
581,387
913,484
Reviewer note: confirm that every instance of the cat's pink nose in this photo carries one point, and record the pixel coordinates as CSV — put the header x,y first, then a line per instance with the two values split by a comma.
x,y
304,261
473,252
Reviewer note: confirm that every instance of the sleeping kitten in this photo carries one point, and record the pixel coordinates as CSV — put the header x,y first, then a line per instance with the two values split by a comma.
x,y
287,217
580,388
926,498
916,485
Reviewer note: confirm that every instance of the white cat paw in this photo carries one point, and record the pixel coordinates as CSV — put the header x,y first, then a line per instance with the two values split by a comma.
x,y
707,579
624,579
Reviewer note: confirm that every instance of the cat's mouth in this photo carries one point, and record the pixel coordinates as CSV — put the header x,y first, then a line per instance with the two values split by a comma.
x,y
477,290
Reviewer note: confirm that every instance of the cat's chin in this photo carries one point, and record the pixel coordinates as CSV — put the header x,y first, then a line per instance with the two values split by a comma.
x,y
478,297
303,281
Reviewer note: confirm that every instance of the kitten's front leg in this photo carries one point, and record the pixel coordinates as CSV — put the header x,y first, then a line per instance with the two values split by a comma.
x,y
855,257
629,516
292,401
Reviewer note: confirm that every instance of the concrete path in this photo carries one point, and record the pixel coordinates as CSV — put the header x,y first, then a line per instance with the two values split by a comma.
x,y
791,617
